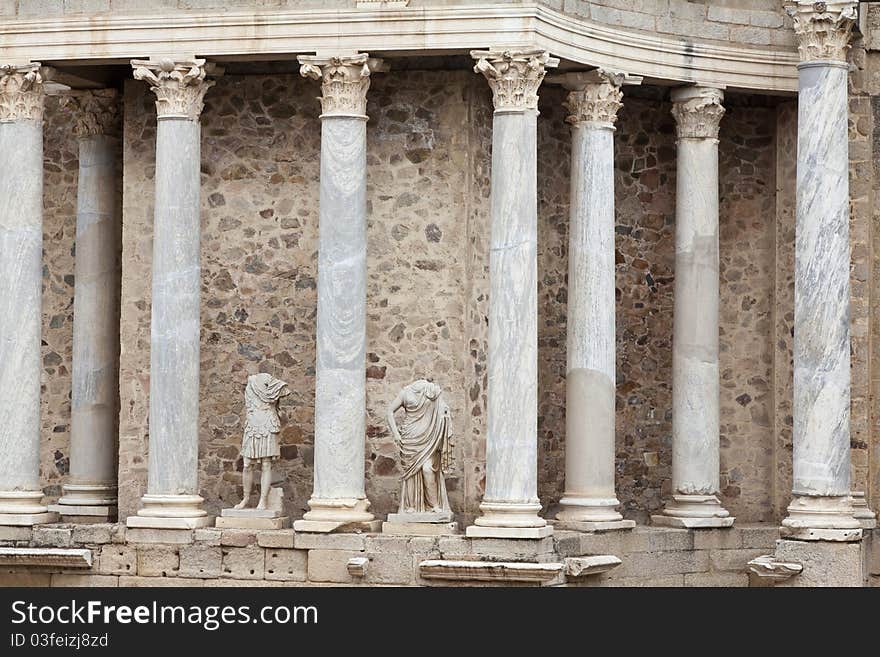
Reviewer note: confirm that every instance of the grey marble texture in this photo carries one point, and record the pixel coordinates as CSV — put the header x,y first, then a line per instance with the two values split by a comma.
x,y
511,439
95,380
175,324
821,409
21,244
590,342
340,395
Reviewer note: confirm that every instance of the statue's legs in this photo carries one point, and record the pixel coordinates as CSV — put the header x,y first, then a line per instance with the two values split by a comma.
x,y
265,482
429,481
247,482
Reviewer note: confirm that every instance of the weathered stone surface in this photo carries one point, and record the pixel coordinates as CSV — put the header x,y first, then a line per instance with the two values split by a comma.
x,y
96,534
243,563
65,579
238,537
48,536
716,579
169,536
329,541
281,538
330,565
824,563
200,561
284,564
158,561
117,560
733,560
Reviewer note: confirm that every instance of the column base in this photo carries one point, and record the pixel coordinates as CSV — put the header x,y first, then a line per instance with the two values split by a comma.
x,y
101,495
592,526
22,502
693,512
343,515
517,515
84,514
589,509
861,512
476,531
27,519
820,518
170,512
420,528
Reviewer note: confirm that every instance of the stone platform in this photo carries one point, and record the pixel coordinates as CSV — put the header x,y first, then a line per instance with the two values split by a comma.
x,y
647,556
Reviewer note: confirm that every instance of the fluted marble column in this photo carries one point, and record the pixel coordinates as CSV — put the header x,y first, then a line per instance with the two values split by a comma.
x,y
510,504
90,493
695,384
590,501
339,500
821,507
172,499
21,274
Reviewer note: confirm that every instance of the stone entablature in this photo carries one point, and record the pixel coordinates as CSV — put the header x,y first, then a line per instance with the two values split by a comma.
x,y
637,47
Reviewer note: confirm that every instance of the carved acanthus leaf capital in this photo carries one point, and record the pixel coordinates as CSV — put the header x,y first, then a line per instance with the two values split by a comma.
x,y
179,85
21,93
344,81
697,112
514,75
95,112
823,28
594,97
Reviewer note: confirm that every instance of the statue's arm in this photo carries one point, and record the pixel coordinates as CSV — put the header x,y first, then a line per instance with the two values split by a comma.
x,y
389,417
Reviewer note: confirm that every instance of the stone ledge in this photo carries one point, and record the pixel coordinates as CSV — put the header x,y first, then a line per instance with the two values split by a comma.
x,y
490,571
55,557
584,566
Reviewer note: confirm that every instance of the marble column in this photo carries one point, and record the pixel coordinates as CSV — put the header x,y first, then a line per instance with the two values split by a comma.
x,y
90,493
821,507
590,501
21,276
695,384
510,504
339,500
172,499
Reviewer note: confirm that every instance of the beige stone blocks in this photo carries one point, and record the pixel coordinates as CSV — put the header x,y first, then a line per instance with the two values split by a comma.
x,y
201,561
286,564
117,560
158,561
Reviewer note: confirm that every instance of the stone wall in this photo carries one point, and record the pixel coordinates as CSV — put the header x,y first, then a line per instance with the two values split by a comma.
x,y
429,142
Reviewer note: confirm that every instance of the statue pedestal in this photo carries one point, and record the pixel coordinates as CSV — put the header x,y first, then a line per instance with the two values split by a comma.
x,y
252,519
428,523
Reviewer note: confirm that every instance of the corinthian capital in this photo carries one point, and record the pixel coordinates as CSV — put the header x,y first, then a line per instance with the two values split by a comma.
x,y
179,85
21,93
344,81
94,112
594,97
822,28
514,76
697,112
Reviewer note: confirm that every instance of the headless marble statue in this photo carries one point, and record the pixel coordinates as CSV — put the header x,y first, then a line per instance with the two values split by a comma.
x,y
261,428
424,439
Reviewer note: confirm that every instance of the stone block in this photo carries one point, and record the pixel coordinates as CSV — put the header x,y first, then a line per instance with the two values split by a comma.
x,y
501,549
117,560
7,7
253,523
286,564
89,7
420,528
166,536
649,581
390,568
64,579
453,547
200,561
168,524
329,541
423,545
387,544
24,578
825,563
770,19
244,562
733,560
730,15
158,561
96,534
631,19
758,536
238,537
52,536
758,36
16,534
520,533
727,539
695,29
207,535
873,547
331,565
640,564
275,538
716,579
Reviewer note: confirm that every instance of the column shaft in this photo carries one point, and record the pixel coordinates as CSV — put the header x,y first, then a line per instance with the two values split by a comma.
x,y
590,501
21,274
90,492
822,504
510,504
695,384
339,497
172,498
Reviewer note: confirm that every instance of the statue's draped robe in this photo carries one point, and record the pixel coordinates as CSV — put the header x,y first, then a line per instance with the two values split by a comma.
x,y
262,424
424,438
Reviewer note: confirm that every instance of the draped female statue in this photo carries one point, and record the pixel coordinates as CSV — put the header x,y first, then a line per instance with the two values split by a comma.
x,y
424,439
